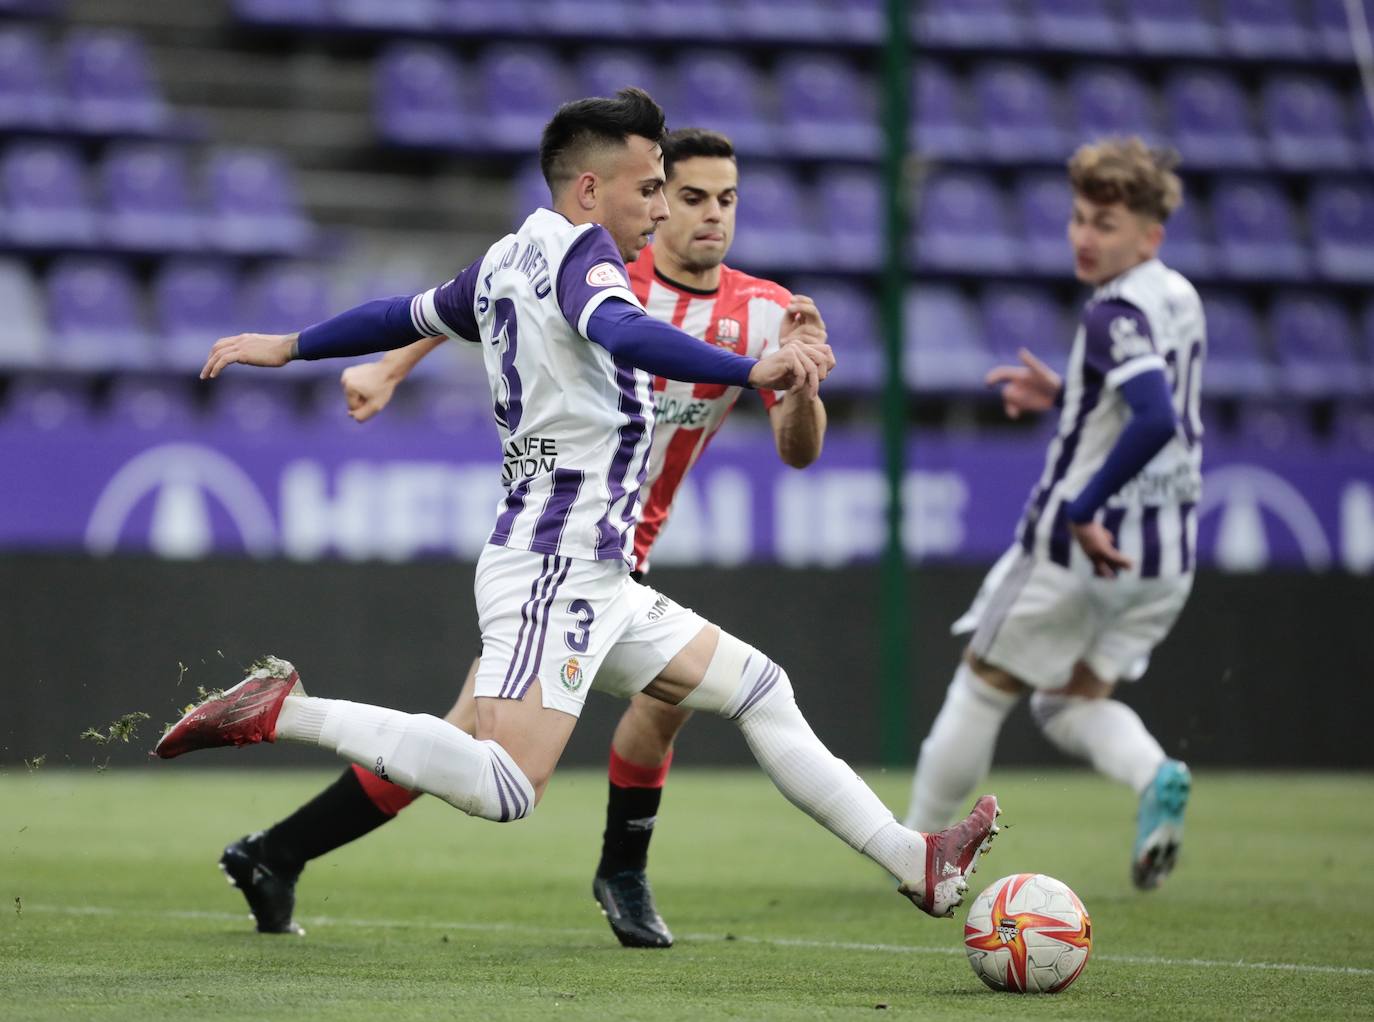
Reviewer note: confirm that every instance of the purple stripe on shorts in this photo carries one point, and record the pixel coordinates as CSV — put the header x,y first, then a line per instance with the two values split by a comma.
x,y
522,806
1185,516
548,529
543,630
525,610
515,503
761,688
1149,542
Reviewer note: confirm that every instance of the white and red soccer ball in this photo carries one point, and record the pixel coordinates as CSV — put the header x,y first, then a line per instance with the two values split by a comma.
x,y
1028,934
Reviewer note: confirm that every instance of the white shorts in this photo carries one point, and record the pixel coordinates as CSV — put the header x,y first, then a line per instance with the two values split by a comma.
x,y
1035,619
573,624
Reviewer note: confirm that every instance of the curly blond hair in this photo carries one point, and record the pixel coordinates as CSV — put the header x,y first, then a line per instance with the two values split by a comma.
x,y
1128,171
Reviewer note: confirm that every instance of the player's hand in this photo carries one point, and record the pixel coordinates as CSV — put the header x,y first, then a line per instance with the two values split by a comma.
x,y
801,314
796,368
1029,387
1096,541
367,389
250,350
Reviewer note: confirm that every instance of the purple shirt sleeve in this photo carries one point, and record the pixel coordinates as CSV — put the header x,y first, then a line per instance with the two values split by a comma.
x,y
591,272
1115,333
378,325
447,310
630,334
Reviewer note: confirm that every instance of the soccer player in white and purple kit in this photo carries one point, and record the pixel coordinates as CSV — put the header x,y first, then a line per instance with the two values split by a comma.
x,y
570,357
1103,560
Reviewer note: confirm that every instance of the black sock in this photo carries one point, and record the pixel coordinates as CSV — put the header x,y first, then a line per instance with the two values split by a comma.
x,y
339,814
630,817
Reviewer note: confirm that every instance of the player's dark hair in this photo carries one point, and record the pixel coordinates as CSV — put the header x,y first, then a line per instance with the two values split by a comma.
x,y
586,124
686,143
1128,171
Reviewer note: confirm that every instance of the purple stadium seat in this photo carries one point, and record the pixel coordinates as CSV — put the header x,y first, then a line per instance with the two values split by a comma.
x,y
1342,222
1237,362
1044,202
1017,316
860,21
1352,427
481,17
253,202
773,226
980,23
722,90
701,19
1307,123
945,351
1276,424
1315,342
388,15
1077,25
520,85
47,401
286,297
1331,29
93,306
602,20
530,192
1255,232
195,302
786,20
23,327
28,98
850,203
962,224
1172,28
941,127
148,199
44,187
1019,113
851,324
455,407
828,109
253,405
1364,126
1109,101
420,97
1212,122
602,72
1265,28
1188,244
110,83
306,13
150,404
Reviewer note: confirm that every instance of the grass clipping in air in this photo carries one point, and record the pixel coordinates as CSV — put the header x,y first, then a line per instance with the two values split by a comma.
x,y
120,730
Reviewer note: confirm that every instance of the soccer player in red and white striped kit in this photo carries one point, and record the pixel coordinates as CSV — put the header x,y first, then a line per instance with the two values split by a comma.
x,y
681,279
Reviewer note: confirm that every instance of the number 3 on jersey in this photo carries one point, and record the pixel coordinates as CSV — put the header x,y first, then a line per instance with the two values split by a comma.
x,y
505,333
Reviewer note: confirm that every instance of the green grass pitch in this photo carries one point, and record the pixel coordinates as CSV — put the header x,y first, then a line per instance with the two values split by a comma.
x,y
113,907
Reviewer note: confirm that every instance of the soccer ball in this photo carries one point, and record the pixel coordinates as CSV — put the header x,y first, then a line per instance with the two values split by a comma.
x,y
1029,934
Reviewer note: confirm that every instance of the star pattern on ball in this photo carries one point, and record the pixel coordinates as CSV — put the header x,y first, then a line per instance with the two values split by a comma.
x,y
1009,929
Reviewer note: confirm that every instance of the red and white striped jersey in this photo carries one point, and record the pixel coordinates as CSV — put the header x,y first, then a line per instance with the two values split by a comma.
x,y
744,315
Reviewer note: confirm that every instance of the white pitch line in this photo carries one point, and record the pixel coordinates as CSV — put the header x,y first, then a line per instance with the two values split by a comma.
x,y
827,945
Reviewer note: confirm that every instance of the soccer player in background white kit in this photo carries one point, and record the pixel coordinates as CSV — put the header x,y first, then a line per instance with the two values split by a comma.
x,y
1104,556
569,353
680,279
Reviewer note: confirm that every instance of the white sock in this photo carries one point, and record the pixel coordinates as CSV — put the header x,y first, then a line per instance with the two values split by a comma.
x,y
812,778
414,750
957,753
1106,732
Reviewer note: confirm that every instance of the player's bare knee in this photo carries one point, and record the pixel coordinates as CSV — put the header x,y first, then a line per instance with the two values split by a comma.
x,y
662,720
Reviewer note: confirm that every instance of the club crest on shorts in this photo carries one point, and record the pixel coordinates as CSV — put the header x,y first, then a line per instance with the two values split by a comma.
x,y
570,674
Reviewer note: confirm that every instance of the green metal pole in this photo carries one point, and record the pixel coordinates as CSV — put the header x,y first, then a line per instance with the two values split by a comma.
x,y
894,611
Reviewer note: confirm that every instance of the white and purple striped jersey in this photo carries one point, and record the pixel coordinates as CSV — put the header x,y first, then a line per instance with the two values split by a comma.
x,y
575,423
1150,317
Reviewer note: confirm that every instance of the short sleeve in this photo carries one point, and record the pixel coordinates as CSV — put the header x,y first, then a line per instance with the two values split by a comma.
x,y
448,309
591,272
1118,343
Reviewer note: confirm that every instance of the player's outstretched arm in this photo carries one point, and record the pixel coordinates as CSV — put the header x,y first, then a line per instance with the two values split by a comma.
x,y
368,387
798,424
1030,387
